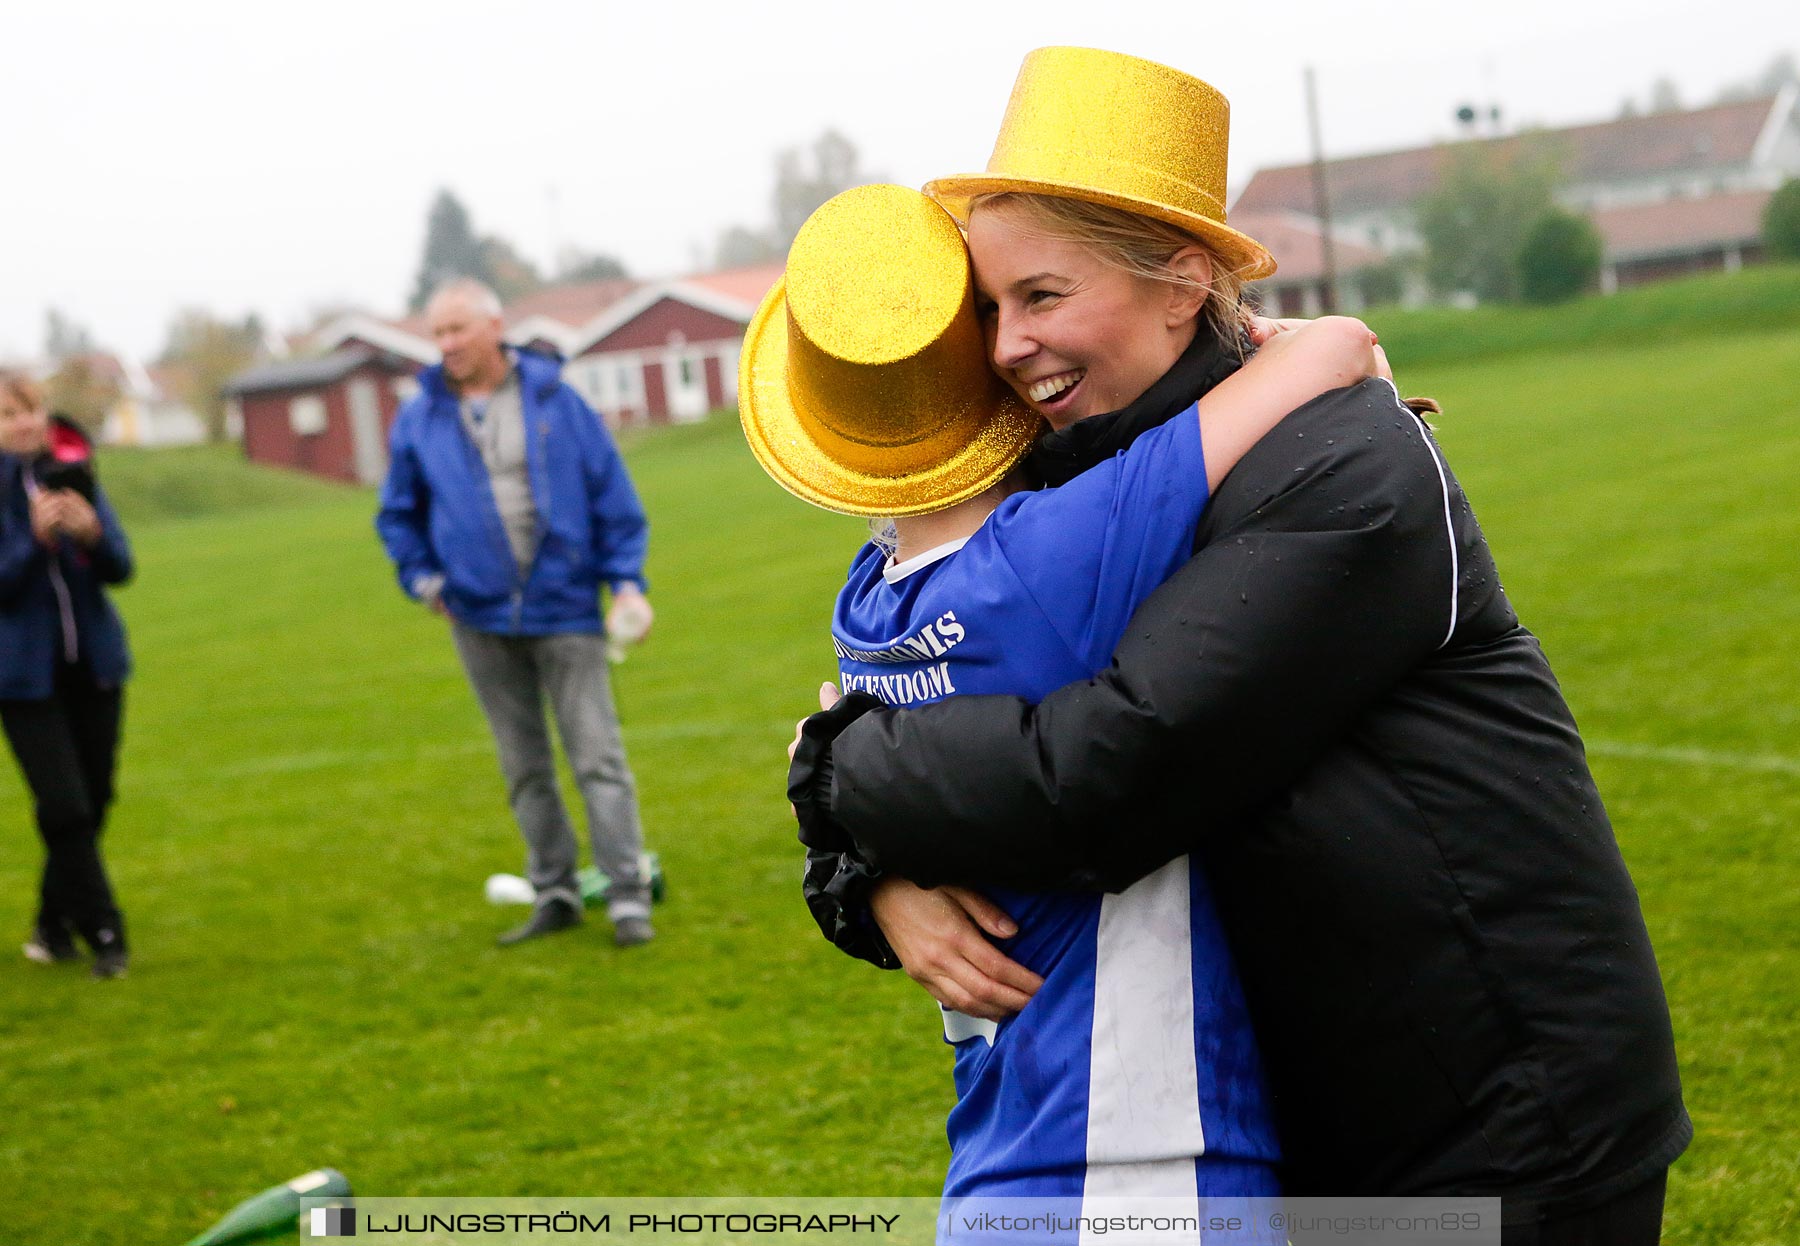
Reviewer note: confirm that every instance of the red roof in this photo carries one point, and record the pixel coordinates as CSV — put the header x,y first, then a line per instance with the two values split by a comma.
x,y
578,306
747,285
573,305
102,364
1679,225
415,324
1631,147
1299,247
170,379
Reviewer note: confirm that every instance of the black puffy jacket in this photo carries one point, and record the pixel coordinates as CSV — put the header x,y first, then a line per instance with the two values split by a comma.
x,y
1334,705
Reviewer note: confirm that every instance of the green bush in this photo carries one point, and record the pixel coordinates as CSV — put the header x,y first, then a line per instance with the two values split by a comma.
x,y
1781,222
1559,258
1381,285
1473,221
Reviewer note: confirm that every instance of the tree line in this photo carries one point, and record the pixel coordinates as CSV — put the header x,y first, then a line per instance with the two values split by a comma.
x,y
1491,226
804,178
202,351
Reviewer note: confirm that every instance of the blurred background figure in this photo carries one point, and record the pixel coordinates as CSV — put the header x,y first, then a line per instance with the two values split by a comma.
x,y
63,665
506,508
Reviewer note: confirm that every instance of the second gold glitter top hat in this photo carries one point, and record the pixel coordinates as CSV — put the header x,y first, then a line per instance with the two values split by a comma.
x,y
1113,129
864,386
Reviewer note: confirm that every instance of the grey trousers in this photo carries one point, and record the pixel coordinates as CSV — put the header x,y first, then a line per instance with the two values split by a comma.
x,y
513,676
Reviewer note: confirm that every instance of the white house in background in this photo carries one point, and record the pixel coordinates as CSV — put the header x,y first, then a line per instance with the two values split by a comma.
x,y
150,410
1670,192
1298,286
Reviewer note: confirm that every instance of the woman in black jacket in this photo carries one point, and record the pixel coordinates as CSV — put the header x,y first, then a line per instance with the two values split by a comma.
x,y
1334,705
63,665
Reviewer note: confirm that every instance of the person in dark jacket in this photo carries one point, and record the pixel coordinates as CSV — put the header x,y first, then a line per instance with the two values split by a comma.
x,y
506,508
1135,1074
1333,704
63,665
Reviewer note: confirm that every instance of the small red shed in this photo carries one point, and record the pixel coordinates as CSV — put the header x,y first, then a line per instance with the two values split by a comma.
x,y
329,416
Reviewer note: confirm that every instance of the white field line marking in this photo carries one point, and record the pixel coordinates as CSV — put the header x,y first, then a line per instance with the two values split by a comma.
x,y
330,759
1771,763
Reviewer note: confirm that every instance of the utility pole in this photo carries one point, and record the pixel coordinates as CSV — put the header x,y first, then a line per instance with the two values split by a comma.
x,y
553,221
1321,200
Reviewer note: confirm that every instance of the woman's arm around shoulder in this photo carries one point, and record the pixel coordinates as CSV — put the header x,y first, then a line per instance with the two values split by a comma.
x,y
1323,576
1287,372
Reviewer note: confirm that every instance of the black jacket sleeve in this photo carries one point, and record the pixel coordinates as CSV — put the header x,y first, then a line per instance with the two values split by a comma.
x,y
837,878
111,557
837,886
1326,568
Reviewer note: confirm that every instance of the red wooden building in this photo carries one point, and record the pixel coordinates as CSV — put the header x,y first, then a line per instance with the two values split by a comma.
x,y
329,416
668,352
640,353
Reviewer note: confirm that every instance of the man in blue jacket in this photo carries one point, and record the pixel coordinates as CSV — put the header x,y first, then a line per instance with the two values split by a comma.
x,y
505,508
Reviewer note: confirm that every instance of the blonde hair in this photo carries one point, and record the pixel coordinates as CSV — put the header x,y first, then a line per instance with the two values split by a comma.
x,y
23,389
884,535
1135,244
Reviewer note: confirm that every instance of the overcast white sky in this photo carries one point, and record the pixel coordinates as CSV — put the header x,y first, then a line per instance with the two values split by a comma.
x,y
245,157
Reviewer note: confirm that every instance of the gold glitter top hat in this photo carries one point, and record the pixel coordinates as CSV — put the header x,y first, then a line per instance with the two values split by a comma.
x,y
864,385
1112,129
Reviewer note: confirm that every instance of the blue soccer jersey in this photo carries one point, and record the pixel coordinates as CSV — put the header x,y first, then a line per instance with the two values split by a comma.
x,y
1133,1072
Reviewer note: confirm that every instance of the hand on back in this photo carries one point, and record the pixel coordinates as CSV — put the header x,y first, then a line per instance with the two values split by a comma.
x,y
941,939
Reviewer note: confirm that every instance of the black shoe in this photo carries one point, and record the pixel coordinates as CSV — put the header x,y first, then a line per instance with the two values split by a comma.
x,y
110,964
632,932
547,918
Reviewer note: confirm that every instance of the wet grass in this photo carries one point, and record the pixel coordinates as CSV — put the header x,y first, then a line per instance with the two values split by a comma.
x,y
1750,303
309,805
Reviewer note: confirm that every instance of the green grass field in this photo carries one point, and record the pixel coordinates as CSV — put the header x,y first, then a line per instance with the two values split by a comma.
x,y
309,805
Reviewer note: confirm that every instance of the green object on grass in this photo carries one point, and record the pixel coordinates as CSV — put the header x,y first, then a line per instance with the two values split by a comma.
x,y
594,885
275,1210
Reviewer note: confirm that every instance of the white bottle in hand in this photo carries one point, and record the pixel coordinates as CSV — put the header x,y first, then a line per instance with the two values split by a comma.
x,y
627,621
